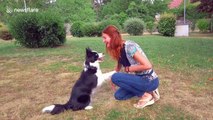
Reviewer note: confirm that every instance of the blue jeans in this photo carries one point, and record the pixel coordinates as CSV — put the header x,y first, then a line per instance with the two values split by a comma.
x,y
131,85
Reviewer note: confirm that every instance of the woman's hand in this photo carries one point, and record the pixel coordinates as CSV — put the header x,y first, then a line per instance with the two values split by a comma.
x,y
126,69
113,86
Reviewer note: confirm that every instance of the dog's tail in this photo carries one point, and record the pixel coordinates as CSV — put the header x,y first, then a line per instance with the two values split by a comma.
x,y
54,109
81,103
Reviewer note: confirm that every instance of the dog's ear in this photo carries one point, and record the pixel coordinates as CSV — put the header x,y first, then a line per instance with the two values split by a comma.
x,y
88,51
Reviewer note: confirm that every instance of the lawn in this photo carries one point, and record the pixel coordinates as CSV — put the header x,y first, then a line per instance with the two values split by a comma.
x,y
31,79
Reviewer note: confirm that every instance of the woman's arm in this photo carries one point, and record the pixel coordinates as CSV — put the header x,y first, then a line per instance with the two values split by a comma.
x,y
144,63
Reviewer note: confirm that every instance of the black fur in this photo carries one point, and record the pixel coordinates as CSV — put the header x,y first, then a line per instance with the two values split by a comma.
x,y
81,92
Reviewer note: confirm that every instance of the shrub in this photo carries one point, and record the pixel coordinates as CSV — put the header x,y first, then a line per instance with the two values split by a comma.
x,y
150,26
90,29
76,29
203,25
52,30
134,26
34,30
80,29
103,24
4,32
166,25
5,35
120,18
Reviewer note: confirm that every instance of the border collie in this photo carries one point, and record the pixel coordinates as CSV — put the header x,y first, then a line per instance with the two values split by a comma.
x,y
91,77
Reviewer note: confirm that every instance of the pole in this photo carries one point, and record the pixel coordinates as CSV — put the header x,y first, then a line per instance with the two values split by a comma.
x,y
184,14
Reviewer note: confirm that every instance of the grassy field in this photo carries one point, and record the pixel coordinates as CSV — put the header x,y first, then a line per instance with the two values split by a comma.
x,y
31,79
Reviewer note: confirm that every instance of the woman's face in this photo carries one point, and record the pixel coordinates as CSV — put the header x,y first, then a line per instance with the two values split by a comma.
x,y
106,39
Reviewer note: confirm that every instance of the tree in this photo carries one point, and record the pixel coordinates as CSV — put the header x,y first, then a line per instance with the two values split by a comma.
x,y
206,6
114,7
74,10
193,15
134,8
97,4
8,7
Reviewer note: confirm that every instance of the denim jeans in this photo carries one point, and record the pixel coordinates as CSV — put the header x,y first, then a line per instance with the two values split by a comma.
x,y
131,85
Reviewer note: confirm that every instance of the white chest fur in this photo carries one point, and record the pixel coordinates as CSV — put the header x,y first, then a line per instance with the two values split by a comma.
x,y
100,77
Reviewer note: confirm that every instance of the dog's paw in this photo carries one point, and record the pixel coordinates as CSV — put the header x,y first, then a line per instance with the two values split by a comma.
x,y
107,76
88,108
48,109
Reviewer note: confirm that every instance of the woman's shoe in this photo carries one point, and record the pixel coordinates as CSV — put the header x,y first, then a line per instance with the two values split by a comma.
x,y
156,95
146,99
147,103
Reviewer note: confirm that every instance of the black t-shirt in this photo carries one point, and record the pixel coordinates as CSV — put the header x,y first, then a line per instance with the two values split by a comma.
x,y
123,59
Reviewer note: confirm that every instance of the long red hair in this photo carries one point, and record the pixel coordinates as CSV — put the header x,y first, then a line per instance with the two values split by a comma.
x,y
116,42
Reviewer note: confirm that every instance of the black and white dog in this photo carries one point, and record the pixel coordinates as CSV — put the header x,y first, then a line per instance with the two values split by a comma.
x,y
90,78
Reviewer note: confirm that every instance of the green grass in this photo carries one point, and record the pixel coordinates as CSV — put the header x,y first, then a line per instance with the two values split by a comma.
x,y
175,53
172,113
38,75
178,53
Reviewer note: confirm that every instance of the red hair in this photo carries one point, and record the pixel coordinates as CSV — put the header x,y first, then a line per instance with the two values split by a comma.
x,y
116,42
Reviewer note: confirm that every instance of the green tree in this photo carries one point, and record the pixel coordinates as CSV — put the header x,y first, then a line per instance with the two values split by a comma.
x,y
75,10
205,6
114,7
139,11
193,15
157,6
145,9
8,7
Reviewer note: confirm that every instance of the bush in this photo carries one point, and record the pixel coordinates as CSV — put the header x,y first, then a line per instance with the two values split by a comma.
x,y
34,30
4,32
80,29
5,35
134,26
52,30
203,25
166,25
150,26
76,29
103,24
120,18
90,29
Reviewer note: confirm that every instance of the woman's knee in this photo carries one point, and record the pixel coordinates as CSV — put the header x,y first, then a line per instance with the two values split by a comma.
x,y
115,77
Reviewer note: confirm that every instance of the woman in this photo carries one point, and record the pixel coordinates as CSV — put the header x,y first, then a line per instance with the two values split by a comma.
x,y
128,54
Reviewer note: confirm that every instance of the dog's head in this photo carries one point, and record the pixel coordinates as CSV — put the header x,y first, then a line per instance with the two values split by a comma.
x,y
93,58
